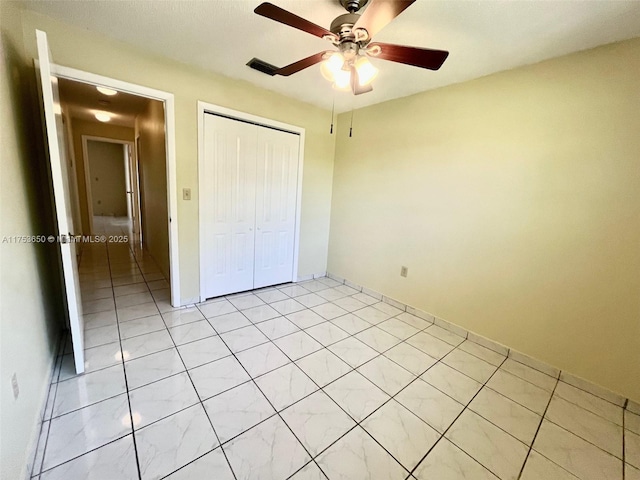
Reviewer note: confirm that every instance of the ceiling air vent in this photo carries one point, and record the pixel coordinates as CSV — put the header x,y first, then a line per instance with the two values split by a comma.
x,y
262,66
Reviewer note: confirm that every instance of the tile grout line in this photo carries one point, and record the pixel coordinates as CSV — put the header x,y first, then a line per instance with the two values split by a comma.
x,y
538,429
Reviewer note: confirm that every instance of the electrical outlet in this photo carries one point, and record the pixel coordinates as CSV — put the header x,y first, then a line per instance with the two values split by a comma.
x,y
186,194
14,386
404,271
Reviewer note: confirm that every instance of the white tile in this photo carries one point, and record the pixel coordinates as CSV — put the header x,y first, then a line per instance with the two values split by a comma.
x,y
271,296
161,399
260,313
297,345
311,300
353,351
350,304
632,422
327,333
490,344
471,366
237,410
277,327
293,290
448,462
102,305
521,391
589,426
89,388
141,326
137,311
203,351
317,421
398,328
430,345
510,416
212,465
216,377
323,367
305,318
309,472
430,404
286,385
42,440
498,451
351,324
182,316
133,299
401,433
315,286
631,473
243,302
529,374
229,321
356,395
216,308
97,294
414,321
151,368
541,468
453,383
332,294
358,456
191,332
632,448
267,451
378,339
329,311
146,344
159,452
262,359
579,457
95,337
364,298
114,460
100,319
484,353
412,359
372,315
129,289
83,430
347,289
100,357
387,375
329,282
592,388
387,308
243,338
590,402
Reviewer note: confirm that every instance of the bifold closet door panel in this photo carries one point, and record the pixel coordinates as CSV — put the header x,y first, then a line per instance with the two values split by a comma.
x,y
276,202
230,151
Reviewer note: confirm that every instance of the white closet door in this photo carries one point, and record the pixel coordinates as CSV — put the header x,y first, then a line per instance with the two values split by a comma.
x,y
229,198
276,193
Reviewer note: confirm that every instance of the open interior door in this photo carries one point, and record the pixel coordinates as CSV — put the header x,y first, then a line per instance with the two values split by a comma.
x,y
56,148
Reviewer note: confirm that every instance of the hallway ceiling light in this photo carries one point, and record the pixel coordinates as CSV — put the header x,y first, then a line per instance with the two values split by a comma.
x,y
107,91
103,117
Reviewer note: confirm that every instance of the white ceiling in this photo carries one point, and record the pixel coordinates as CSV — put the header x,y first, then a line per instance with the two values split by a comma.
x,y
482,37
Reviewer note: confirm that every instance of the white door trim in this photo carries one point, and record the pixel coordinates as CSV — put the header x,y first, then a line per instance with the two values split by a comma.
x,y
170,128
204,107
87,178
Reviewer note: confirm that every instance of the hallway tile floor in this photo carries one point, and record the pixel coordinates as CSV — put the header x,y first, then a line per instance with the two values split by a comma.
x,y
305,381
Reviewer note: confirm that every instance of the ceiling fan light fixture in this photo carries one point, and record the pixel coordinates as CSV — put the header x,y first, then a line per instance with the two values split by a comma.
x,y
103,117
366,71
342,79
332,66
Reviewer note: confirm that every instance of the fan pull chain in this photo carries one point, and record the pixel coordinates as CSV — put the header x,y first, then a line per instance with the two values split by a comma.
x,y
333,106
351,126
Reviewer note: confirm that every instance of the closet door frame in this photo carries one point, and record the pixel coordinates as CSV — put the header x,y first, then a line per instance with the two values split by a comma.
x,y
203,109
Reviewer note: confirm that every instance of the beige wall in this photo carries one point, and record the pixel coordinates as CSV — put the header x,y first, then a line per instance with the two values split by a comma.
x,y
515,202
95,129
152,166
29,285
91,52
107,178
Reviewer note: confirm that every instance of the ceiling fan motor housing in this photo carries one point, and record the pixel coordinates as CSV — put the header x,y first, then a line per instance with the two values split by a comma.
x,y
353,5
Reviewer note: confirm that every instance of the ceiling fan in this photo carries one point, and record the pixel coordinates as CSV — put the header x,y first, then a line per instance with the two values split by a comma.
x,y
351,33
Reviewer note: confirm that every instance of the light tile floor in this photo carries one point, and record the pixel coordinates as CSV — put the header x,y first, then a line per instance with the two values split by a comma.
x,y
308,381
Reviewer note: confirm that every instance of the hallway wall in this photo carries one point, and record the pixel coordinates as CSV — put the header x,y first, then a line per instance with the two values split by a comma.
x,y
30,294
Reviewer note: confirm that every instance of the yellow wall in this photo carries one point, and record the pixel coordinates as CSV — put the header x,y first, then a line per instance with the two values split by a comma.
x,y
30,295
515,202
96,129
107,179
84,50
153,182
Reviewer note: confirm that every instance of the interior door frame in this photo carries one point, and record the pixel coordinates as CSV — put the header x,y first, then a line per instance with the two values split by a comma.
x,y
87,178
204,108
170,142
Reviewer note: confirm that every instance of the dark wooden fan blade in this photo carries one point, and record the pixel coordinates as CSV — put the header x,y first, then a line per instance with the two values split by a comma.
x,y
300,65
273,12
356,88
379,13
418,57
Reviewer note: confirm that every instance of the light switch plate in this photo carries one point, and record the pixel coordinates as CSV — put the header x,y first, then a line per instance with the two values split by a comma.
x,y
186,194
